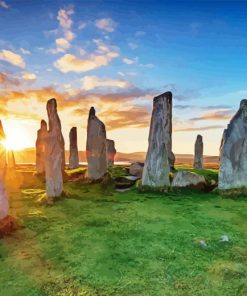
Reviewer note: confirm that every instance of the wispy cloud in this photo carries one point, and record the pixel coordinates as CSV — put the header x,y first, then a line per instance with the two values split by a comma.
x,y
92,82
4,5
12,58
215,116
102,57
202,128
65,24
130,61
29,76
106,24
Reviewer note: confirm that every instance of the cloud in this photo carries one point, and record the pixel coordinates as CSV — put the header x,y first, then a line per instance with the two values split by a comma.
x,y
210,107
147,65
106,24
29,76
24,51
216,116
65,23
132,45
82,25
64,18
62,44
140,33
92,82
3,4
12,58
129,61
203,128
7,80
102,57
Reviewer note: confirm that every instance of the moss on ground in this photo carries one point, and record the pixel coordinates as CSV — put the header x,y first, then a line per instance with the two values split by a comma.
x,y
102,243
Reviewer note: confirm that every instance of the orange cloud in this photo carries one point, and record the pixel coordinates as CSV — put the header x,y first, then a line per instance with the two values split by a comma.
x,y
216,116
12,58
106,24
92,82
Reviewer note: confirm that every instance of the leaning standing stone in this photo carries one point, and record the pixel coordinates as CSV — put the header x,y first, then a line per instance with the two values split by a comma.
x,y
54,150
73,151
111,152
198,155
156,169
40,147
96,147
233,151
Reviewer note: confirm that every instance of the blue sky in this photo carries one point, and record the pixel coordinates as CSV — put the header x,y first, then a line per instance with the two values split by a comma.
x,y
116,56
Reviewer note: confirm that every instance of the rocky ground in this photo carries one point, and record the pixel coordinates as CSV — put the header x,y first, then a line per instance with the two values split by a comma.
x,y
97,241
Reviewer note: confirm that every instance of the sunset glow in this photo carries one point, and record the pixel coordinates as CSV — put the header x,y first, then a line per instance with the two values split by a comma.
x,y
17,138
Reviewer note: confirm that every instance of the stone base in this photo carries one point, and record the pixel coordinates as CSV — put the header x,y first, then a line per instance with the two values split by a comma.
x,y
8,225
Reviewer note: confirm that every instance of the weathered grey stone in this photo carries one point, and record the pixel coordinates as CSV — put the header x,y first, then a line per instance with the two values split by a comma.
x,y
54,150
167,105
156,169
73,151
96,147
233,151
111,152
198,155
40,147
188,179
4,205
136,169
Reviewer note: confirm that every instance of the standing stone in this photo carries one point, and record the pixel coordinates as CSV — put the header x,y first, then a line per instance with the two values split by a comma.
x,y
233,151
156,169
4,205
198,155
111,152
40,147
96,147
167,98
73,151
54,150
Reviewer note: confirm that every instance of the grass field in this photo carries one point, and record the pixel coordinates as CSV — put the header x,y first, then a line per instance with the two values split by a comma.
x,y
101,242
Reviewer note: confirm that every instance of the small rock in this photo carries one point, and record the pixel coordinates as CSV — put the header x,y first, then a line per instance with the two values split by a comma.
x,y
224,238
203,243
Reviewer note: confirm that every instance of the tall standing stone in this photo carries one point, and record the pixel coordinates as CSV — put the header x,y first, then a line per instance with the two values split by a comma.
x,y
40,147
156,169
96,147
4,205
233,151
167,98
73,151
198,155
111,152
54,150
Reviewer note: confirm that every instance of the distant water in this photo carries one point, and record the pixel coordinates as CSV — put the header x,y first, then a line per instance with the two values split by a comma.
x,y
80,163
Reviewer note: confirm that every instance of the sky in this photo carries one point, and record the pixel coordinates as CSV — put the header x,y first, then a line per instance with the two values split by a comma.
x,y
116,56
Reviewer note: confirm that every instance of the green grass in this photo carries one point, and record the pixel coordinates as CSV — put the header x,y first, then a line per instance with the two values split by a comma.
x,y
100,242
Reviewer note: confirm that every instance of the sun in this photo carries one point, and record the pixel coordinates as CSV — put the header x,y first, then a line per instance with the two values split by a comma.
x,y
17,137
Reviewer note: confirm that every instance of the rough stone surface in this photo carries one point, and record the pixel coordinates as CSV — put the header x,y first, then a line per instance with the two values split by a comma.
x,y
233,151
40,147
96,147
54,148
136,169
111,152
188,179
4,205
198,154
73,151
156,169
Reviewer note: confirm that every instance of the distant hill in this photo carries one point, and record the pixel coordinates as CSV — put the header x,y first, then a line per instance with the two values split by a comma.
x,y
28,156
